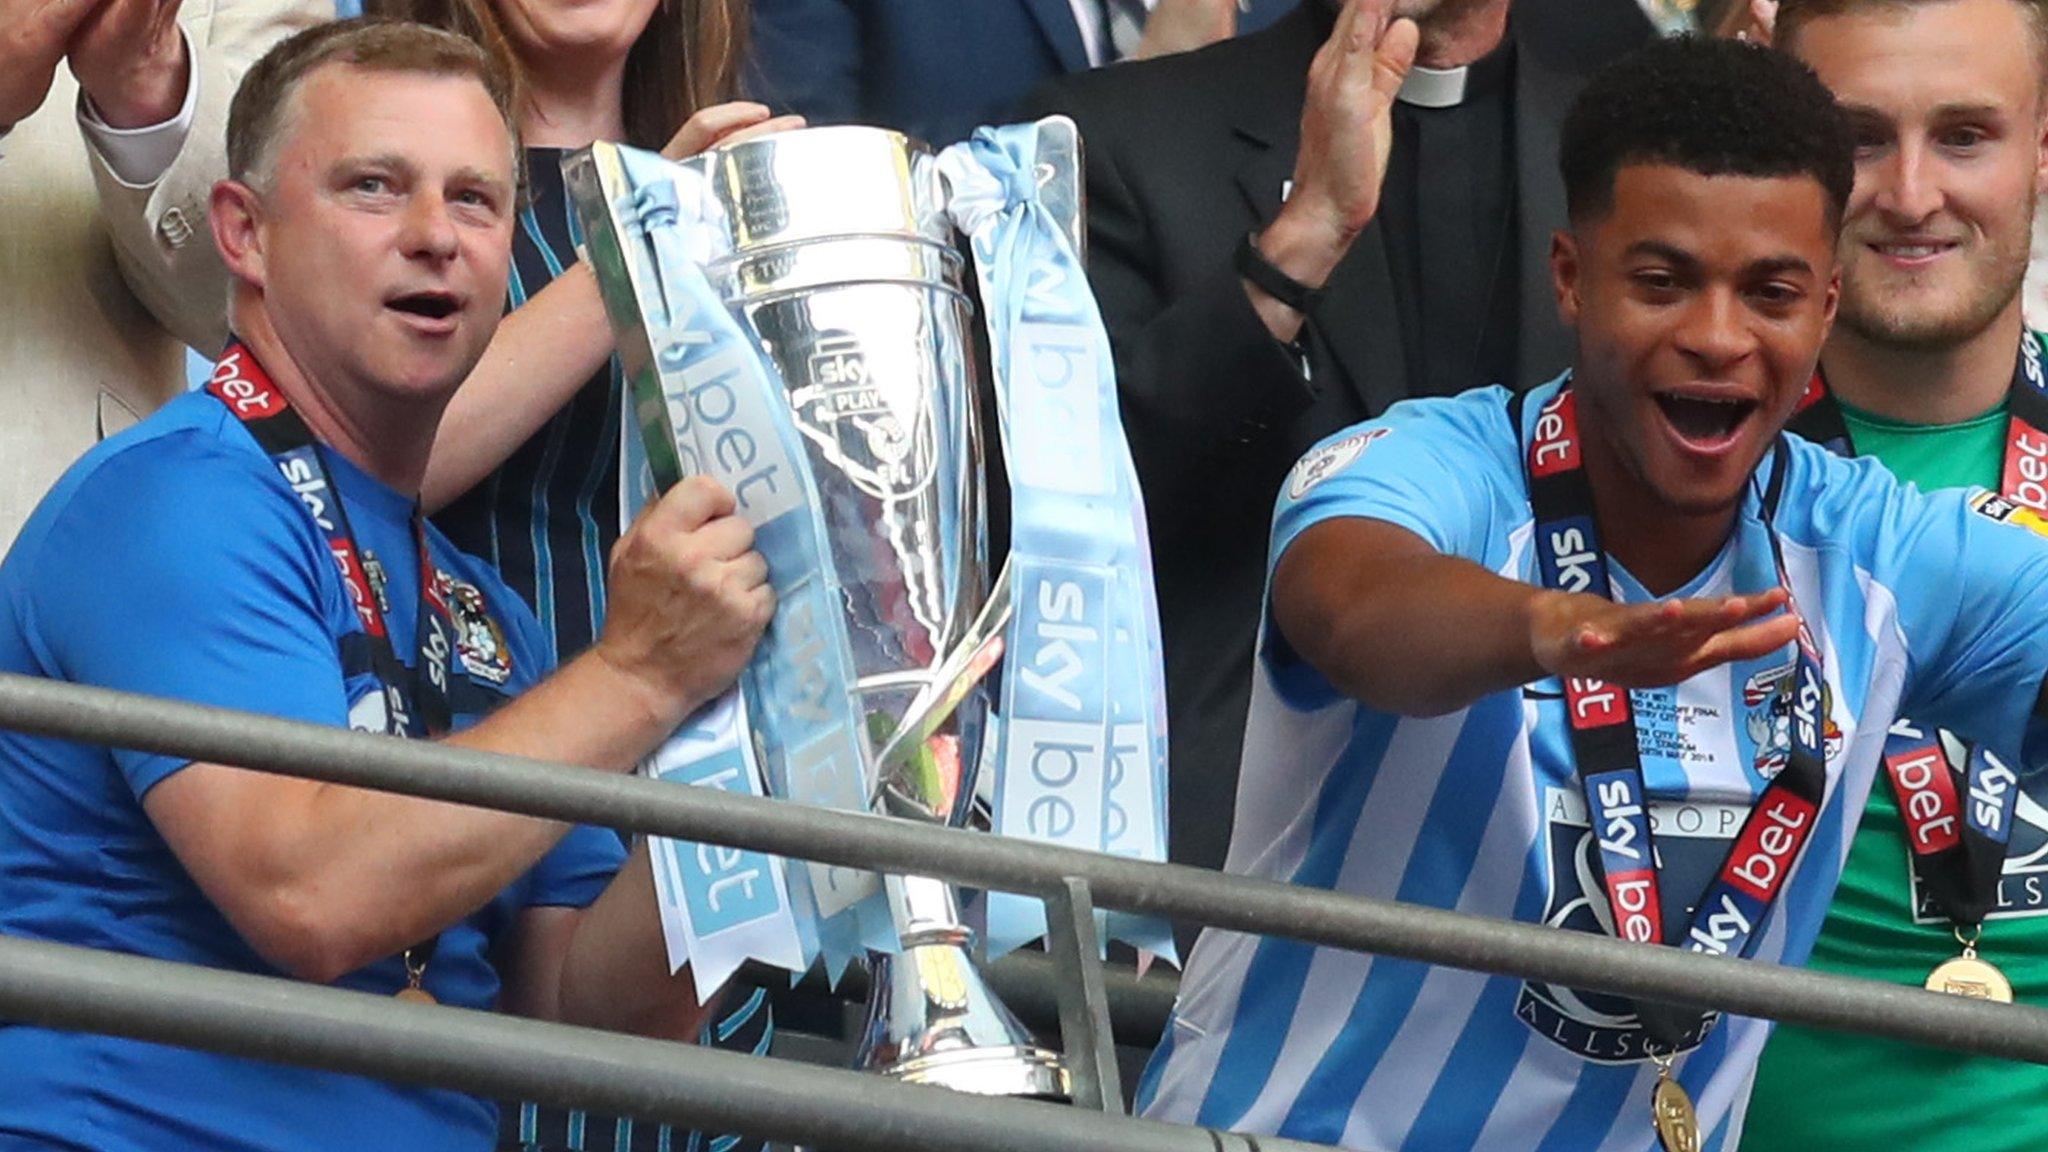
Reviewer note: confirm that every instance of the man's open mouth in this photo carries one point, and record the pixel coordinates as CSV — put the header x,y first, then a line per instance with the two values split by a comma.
x,y
428,305
1705,421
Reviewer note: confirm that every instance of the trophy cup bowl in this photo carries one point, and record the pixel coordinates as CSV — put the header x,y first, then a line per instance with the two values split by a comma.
x,y
840,254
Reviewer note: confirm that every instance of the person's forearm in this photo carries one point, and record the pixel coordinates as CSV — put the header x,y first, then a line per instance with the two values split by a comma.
x,y
1389,620
339,877
151,90
1307,252
1406,629
586,715
615,974
543,353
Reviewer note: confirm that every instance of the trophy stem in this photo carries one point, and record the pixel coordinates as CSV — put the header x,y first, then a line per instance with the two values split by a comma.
x,y
931,1017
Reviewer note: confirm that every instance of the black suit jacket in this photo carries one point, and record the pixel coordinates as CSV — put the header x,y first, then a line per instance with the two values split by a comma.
x,y
936,69
1185,155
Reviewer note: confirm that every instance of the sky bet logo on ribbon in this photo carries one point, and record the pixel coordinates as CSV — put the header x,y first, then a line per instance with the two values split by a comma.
x,y
1578,568
1692,837
1926,791
2022,885
251,399
1621,823
1595,703
1556,449
1752,876
1056,738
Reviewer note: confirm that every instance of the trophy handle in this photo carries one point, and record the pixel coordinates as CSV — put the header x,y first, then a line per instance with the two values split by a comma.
x,y
970,662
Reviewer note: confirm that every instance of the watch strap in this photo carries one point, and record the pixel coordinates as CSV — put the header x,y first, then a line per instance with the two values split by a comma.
x,y
1268,278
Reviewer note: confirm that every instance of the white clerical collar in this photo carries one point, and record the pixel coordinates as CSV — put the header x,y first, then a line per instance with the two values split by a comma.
x,y
1434,87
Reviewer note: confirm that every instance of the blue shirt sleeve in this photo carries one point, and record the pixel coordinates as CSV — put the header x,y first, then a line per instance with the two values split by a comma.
x,y
1969,581
1434,467
190,575
577,869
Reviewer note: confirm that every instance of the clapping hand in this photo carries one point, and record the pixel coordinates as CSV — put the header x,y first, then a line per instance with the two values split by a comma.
x,y
33,38
1347,135
1650,645
130,58
1347,125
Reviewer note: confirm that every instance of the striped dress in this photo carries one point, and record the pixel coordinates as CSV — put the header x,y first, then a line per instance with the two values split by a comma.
x,y
547,519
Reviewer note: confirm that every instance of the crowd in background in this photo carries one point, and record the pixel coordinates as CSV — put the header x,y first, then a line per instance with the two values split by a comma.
x,y
1299,214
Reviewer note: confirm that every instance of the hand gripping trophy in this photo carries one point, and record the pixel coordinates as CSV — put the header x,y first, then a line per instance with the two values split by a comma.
x,y
793,318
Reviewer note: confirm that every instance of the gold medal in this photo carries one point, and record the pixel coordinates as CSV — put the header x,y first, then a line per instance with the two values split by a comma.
x,y
1678,1128
413,994
1966,975
1969,975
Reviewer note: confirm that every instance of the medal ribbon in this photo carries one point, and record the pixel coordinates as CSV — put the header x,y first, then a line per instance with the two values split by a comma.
x,y
415,702
1958,821
1607,755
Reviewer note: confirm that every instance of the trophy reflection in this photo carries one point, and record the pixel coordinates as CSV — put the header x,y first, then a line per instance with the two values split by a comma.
x,y
834,247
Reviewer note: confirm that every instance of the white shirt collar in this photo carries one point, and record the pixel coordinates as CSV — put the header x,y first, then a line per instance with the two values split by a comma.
x,y
1434,87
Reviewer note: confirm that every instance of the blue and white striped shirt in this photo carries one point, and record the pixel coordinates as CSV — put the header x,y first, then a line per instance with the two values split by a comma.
x,y
1916,602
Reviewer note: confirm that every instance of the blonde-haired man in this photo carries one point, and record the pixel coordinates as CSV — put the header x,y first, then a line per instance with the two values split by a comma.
x,y
1931,370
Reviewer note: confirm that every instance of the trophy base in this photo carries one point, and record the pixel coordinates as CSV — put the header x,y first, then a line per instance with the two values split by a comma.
x,y
933,1020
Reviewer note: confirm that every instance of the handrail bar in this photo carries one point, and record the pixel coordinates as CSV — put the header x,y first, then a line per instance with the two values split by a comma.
x,y
1242,903
505,1057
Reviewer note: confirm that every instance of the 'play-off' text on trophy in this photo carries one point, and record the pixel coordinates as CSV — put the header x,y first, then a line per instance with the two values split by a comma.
x,y
833,250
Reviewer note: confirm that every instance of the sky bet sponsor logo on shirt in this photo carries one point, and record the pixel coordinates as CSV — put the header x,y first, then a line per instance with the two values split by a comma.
x,y
1692,837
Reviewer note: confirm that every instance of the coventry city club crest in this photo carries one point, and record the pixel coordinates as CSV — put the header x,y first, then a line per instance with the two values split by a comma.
x,y
479,642
1692,837
1768,718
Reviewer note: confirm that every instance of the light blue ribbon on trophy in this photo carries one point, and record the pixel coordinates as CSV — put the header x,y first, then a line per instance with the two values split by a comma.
x,y
725,406
1082,760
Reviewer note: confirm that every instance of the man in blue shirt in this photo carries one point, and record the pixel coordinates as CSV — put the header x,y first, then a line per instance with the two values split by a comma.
x,y
258,545
1532,659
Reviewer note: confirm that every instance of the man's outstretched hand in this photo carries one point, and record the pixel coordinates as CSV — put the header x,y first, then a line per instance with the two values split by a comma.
x,y
1651,645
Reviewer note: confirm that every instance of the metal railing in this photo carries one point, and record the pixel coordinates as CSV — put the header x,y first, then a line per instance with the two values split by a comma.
x,y
505,1057
691,1086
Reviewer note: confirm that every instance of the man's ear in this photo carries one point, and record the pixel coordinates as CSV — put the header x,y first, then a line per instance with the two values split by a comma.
x,y
2041,145
236,215
1564,275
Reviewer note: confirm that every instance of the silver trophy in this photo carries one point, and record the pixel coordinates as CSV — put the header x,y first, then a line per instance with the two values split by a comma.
x,y
840,253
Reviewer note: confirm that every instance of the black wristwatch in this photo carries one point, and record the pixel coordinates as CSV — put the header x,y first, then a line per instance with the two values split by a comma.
x,y
1253,266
